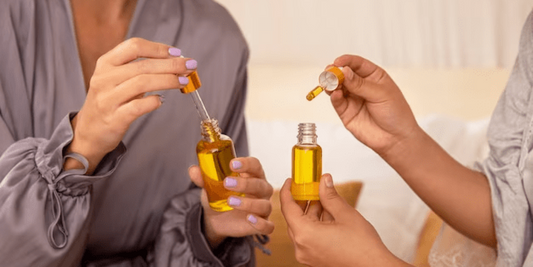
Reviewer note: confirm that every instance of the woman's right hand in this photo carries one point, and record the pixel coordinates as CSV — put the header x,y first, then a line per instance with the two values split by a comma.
x,y
371,106
116,94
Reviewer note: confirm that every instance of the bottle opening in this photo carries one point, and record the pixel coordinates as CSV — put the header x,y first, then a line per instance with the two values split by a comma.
x,y
307,133
210,130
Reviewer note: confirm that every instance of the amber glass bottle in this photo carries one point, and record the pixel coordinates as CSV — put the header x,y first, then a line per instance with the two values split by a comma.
x,y
306,164
215,151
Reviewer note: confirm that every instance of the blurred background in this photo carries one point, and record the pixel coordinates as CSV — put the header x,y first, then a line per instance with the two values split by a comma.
x,y
451,59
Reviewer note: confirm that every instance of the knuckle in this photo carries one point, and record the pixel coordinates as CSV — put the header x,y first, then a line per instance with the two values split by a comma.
x,y
134,44
162,50
242,184
95,83
254,161
99,102
267,230
176,65
331,194
142,66
136,109
269,190
299,240
100,62
268,208
139,82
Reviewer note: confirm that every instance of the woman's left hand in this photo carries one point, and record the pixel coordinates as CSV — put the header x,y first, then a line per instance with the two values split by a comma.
x,y
250,213
332,233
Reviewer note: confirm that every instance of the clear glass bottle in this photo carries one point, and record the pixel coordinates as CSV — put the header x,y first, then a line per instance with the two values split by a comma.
x,y
215,151
306,164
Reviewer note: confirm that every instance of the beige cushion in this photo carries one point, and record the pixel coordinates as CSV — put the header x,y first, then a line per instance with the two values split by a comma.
x,y
280,243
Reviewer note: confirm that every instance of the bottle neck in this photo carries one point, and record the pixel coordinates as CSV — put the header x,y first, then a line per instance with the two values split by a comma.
x,y
307,134
210,130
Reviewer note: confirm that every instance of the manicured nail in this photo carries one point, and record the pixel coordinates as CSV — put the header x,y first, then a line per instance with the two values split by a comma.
x,y
235,202
183,80
252,219
236,164
230,182
329,181
191,64
174,52
162,99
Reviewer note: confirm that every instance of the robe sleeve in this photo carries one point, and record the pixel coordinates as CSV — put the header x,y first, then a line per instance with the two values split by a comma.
x,y
44,210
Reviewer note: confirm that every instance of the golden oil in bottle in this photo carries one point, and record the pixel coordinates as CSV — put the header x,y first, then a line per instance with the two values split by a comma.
x,y
215,151
306,164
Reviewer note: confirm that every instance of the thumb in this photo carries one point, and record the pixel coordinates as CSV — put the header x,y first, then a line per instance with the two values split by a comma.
x,y
331,201
196,176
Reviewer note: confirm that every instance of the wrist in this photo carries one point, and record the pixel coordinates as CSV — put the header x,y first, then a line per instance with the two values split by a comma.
x,y
83,148
210,234
405,146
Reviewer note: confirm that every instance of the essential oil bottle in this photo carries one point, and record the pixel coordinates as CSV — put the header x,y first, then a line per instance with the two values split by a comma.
x,y
306,164
215,151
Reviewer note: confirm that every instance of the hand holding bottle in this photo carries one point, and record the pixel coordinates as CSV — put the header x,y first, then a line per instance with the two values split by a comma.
x,y
371,106
332,233
250,213
116,94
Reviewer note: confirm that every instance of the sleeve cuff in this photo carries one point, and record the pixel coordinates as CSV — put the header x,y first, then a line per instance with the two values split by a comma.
x,y
49,159
226,253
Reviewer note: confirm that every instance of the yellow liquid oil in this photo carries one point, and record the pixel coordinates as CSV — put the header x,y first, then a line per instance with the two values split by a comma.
x,y
311,95
214,159
306,171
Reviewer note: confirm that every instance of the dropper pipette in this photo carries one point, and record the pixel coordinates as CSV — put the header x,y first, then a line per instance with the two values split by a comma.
x,y
202,112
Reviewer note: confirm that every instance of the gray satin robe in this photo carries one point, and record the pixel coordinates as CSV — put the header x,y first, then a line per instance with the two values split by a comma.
x,y
138,208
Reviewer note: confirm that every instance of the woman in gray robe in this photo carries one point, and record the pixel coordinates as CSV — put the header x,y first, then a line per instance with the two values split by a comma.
x,y
136,208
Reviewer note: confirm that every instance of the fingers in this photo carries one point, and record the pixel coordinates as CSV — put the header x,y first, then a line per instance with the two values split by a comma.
x,y
248,167
314,210
256,187
196,176
326,217
135,48
346,109
331,201
291,211
138,107
261,207
261,225
144,83
176,65
363,78
361,66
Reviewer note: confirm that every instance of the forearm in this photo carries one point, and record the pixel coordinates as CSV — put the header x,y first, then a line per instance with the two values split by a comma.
x,y
459,195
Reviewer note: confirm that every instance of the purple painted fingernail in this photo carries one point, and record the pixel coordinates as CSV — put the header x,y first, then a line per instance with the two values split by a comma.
x,y
191,64
174,52
235,202
236,164
230,182
183,80
252,219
